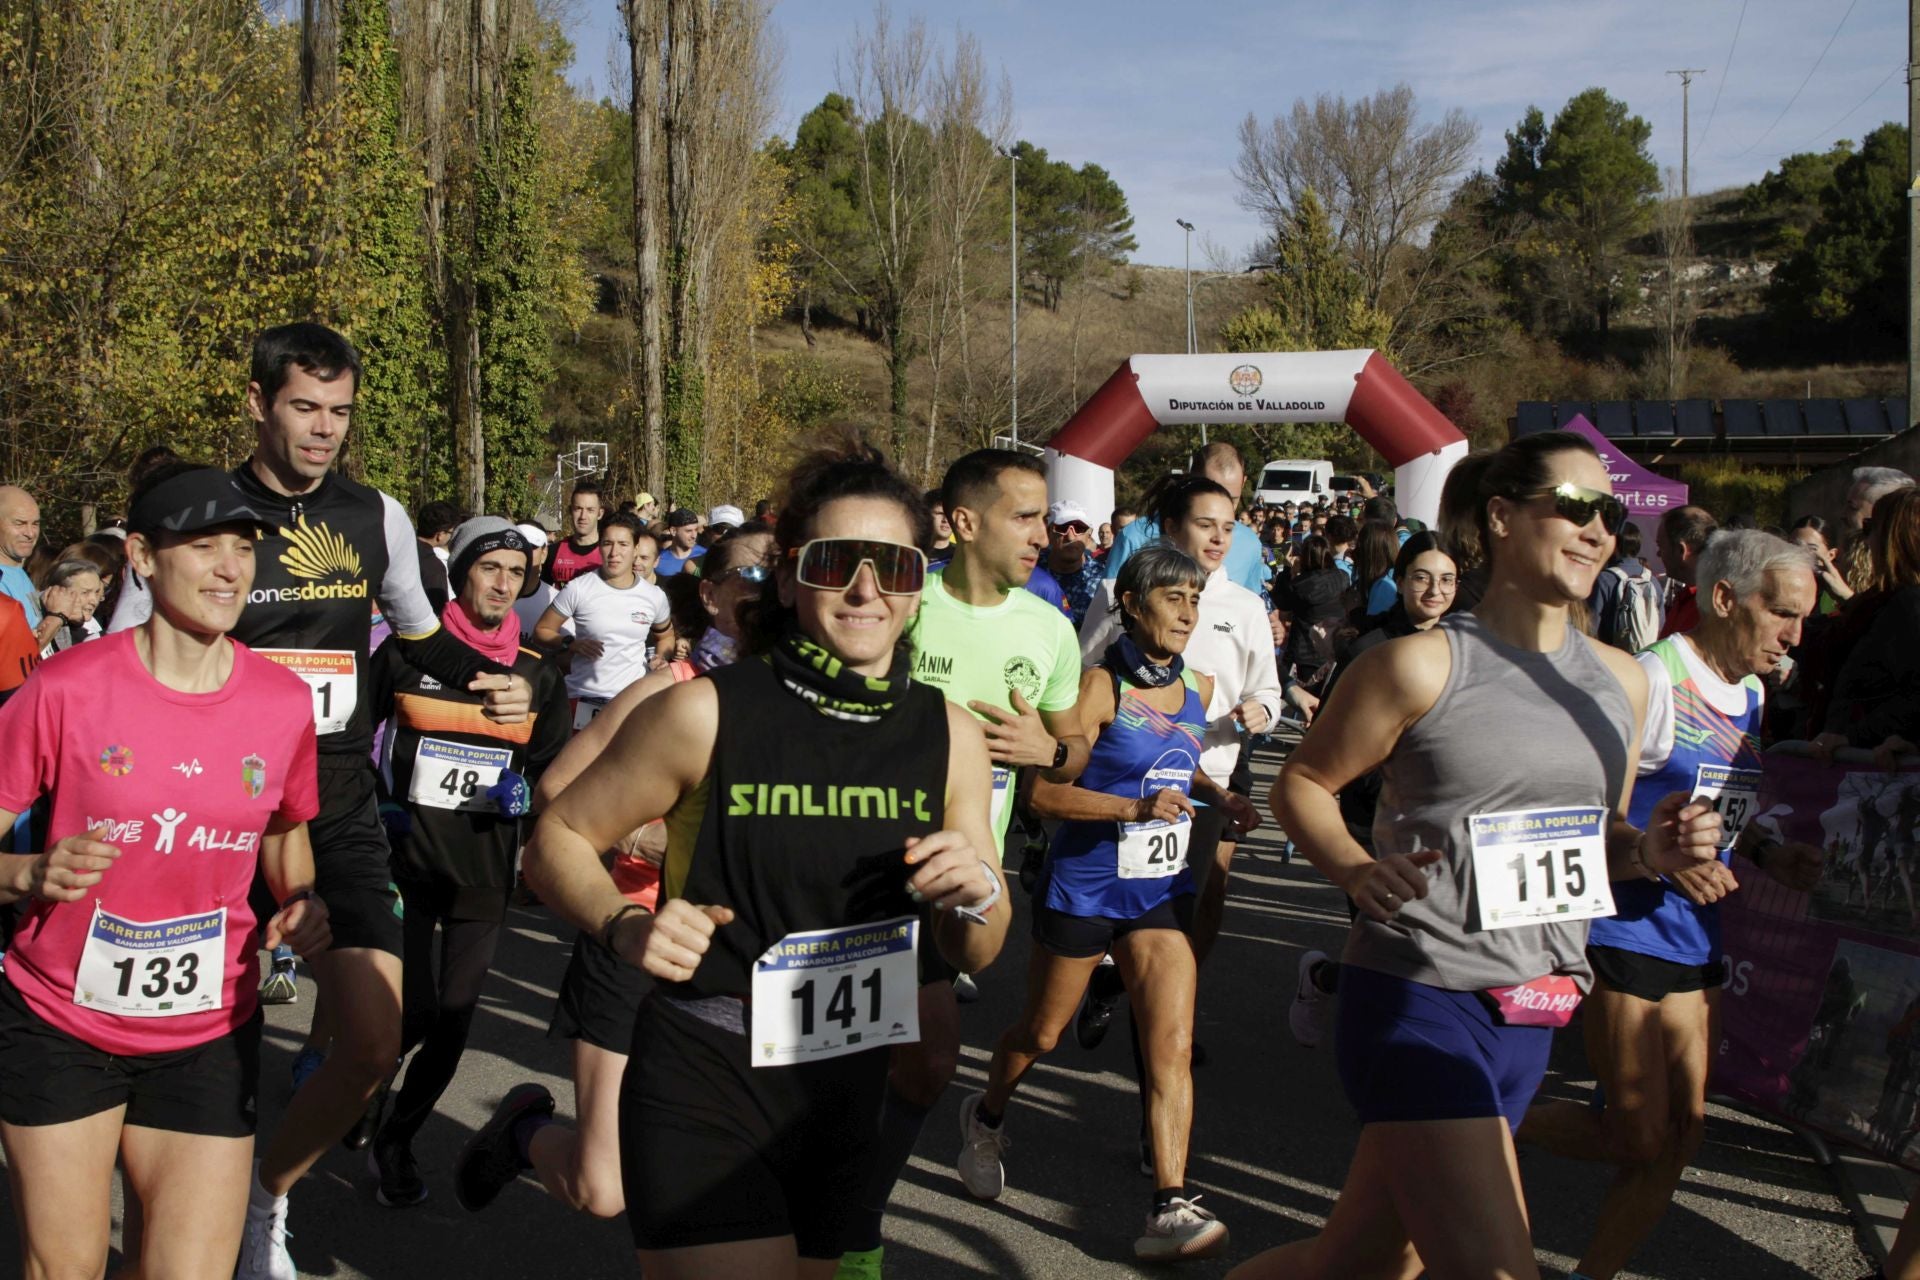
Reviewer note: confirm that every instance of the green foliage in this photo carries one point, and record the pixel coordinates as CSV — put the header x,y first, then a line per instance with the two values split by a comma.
x,y
1787,200
1845,287
1728,488
1582,188
1315,294
823,162
1072,221
376,288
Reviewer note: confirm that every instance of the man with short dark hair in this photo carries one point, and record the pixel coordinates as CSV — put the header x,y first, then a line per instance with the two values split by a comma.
x,y
433,530
1680,537
682,547
579,551
1221,463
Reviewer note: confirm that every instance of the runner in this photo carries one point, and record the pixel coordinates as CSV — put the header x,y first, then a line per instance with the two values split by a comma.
x,y
758,1062
1117,878
615,614
579,551
177,761
1234,645
331,544
1453,977
580,1165
1651,1018
456,785
984,641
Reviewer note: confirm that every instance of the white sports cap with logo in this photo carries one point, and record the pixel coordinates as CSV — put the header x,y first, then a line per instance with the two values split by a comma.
x,y
1067,511
726,514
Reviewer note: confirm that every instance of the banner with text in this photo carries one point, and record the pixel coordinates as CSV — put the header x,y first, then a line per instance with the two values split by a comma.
x,y
1821,1012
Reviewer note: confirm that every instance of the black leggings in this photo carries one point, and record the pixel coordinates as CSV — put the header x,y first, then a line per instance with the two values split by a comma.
x,y
436,1011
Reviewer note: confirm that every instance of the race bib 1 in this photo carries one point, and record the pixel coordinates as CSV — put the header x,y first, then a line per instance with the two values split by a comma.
x,y
453,775
1153,850
585,709
152,969
1002,793
830,992
1732,792
333,679
1536,866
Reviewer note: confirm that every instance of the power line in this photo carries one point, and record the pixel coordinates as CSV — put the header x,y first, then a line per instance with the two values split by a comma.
x,y
1722,82
1803,84
1891,72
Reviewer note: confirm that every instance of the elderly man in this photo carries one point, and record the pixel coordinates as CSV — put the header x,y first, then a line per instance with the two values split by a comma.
x,y
1658,968
19,532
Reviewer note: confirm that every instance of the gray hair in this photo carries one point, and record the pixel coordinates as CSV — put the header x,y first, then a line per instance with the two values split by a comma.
x,y
1742,558
1873,483
61,572
1153,568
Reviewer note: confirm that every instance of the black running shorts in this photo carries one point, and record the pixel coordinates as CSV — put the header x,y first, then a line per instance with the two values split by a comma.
x,y
599,998
351,859
1083,937
713,1150
49,1077
1649,977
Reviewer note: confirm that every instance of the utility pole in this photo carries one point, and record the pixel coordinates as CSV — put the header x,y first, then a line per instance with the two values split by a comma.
x,y
1686,75
1013,236
1913,211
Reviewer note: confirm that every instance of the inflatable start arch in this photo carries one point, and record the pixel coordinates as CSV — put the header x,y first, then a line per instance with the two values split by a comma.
x,y
1357,387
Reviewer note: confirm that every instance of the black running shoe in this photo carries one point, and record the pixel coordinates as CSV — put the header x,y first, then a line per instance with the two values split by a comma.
x,y
1104,990
363,1130
491,1160
400,1184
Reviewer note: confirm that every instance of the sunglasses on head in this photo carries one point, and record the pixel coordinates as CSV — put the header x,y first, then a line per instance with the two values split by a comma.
x,y
1580,505
831,564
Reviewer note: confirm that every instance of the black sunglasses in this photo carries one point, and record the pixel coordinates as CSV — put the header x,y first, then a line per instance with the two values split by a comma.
x,y
1580,505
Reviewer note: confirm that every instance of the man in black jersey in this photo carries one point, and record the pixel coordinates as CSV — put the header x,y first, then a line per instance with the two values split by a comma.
x,y
336,547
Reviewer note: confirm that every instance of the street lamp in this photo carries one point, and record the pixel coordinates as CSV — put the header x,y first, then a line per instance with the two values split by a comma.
x,y
1188,226
1013,238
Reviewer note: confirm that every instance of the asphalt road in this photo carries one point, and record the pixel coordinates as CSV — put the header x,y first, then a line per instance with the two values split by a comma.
x,y
1271,1141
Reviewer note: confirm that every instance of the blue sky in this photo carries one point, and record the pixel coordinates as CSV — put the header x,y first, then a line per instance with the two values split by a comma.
x,y
1155,91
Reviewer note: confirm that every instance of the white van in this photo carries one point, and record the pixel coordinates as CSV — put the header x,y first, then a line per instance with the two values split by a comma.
x,y
1293,480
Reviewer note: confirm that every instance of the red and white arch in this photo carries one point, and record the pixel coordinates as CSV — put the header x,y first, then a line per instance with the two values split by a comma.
x,y
1356,387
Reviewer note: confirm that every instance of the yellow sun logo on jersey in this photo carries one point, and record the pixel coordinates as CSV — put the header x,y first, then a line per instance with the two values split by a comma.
x,y
315,551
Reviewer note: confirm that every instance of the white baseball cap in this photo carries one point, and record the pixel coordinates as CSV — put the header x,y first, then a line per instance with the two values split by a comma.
x,y
1067,511
533,533
726,514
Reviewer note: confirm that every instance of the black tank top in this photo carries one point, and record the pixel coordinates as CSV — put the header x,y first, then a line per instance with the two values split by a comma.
x,y
807,818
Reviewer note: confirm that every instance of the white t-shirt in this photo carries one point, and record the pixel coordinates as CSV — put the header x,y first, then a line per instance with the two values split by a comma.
x,y
1656,738
533,606
619,620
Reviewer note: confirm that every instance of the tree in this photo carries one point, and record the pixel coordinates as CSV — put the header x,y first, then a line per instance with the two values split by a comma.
x,y
1316,297
828,222
1072,221
1848,282
1586,187
1381,175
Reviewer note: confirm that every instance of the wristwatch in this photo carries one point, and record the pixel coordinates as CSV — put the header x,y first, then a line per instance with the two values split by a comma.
x,y
977,913
1059,755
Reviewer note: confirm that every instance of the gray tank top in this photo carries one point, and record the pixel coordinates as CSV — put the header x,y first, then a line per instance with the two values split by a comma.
x,y
1512,729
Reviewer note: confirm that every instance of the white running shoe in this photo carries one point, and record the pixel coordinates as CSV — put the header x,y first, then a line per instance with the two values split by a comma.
x,y
1304,1015
1181,1230
263,1246
980,1149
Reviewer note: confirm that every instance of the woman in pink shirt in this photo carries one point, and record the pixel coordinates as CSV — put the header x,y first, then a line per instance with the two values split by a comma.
x,y
177,762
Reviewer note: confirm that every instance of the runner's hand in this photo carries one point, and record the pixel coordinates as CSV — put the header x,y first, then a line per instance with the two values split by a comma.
x,y
949,871
1304,699
1825,745
1165,805
1241,813
304,926
1681,832
588,649
677,937
1704,883
1252,715
1017,736
74,865
1383,886
1796,865
509,697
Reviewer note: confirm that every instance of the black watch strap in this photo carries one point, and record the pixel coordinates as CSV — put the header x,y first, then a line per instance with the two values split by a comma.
x,y
1059,755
